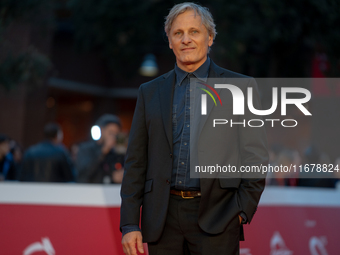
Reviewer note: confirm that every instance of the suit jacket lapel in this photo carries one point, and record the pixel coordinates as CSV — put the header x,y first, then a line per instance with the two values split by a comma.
x,y
166,91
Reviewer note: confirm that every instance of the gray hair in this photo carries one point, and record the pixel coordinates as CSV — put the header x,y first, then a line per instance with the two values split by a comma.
x,y
203,12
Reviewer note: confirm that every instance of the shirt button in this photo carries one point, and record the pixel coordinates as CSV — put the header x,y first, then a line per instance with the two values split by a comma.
x,y
180,182
190,90
188,125
168,182
185,143
189,107
182,163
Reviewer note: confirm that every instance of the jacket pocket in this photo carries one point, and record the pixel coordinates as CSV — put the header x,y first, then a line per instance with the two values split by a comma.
x,y
148,186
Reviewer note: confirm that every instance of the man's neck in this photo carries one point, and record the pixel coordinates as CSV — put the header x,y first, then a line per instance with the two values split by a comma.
x,y
191,67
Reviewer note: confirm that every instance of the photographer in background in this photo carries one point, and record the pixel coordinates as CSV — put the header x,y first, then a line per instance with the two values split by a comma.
x,y
97,161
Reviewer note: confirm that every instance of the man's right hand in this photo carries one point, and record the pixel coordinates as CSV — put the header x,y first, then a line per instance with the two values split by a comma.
x,y
129,242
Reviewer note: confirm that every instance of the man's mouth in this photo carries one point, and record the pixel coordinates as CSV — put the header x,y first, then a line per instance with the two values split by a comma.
x,y
188,49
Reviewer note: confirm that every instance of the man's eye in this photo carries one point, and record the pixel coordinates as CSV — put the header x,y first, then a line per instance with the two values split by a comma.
x,y
177,33
195,31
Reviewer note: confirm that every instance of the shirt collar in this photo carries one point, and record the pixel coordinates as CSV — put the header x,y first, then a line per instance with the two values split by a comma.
x,y
201,72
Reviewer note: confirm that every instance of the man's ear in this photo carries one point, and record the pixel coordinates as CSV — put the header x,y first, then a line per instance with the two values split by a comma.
x,y
170,45
211,40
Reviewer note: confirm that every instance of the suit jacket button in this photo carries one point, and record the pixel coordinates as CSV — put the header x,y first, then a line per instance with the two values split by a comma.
x,y
168,182
170,155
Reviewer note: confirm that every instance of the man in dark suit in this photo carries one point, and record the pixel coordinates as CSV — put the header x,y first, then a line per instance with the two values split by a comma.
x,y
48,161
179,212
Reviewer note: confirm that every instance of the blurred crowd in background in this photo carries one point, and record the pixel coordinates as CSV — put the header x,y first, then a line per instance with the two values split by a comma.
x,y
101,159
312,156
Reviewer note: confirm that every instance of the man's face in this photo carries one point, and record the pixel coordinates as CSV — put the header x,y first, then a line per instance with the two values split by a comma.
x,y
189,40
109,134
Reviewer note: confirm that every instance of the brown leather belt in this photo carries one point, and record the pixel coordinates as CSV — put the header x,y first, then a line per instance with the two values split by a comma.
x,y
186,193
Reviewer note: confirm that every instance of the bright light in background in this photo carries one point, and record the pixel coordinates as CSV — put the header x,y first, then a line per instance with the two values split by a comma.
x,y
149,66
95,133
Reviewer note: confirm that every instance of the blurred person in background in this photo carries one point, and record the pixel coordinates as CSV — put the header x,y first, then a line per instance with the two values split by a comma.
x,y
98,161
274,152
17,152
285,158
7,165
48,161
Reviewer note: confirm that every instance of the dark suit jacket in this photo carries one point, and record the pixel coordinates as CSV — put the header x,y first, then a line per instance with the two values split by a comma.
x,y
46,162
148,164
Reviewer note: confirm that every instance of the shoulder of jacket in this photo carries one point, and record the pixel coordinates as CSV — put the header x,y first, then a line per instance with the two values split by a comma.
x,y
231,74
236,75
156,81
35,148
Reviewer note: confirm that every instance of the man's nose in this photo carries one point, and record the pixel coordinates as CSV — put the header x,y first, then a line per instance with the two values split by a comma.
x,y
186,38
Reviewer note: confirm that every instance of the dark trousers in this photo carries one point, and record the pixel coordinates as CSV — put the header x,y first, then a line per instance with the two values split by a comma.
x,y
182,234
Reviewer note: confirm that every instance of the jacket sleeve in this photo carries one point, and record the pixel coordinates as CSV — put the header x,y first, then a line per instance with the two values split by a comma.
x,y
129,228
135,167
254,152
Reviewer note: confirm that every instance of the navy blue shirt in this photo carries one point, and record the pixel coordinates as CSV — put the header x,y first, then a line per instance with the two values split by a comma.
x,y
180,177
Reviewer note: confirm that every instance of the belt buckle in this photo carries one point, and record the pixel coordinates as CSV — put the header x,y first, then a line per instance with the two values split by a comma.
x,y
184,196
